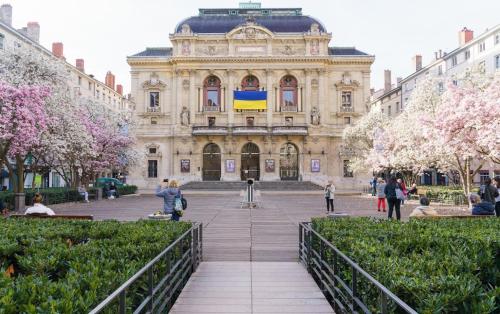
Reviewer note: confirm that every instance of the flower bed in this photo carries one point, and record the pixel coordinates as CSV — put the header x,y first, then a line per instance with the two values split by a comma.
x,y
68,266
435,266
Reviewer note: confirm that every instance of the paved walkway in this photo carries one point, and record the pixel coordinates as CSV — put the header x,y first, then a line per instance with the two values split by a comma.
x,y
251,287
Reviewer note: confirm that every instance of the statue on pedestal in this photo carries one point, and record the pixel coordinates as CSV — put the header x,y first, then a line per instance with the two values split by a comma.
x,y
315,116
185,116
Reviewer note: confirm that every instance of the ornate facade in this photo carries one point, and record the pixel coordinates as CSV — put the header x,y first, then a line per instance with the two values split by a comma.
x,y
186,123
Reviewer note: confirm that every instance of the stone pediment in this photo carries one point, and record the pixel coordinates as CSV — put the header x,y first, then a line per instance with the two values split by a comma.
x,y
154,82
250,30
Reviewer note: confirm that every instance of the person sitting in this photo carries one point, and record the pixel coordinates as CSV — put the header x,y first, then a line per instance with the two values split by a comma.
x,y
38,208
481,207
413,189
424,209
113,191
83,192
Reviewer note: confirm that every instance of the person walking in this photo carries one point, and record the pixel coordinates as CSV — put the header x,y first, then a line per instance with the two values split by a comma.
x,y
496,183
381,194
329,196
402,185
490,192
373,184
169,193
394,193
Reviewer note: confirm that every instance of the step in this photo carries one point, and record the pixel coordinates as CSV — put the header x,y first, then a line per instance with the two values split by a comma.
x,y
259,185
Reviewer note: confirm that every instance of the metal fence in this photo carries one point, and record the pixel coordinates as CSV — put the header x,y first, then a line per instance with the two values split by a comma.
x,y
347,287
155,287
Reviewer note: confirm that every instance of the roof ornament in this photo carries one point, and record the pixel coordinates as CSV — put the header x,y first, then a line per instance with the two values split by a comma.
x,y
186,29
314,29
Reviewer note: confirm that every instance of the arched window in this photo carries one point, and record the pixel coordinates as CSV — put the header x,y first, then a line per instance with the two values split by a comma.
x,y
250,82
288,91
212,94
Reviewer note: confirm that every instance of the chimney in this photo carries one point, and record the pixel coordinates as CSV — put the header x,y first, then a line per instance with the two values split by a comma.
x,y
372,91
119,89
417,63
58,50
387,81
80,65
6,14
33,31
398,80
110,80
464,36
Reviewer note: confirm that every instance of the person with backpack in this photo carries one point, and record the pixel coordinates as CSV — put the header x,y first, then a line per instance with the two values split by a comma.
x,y
489,192
329,196
394,194
172,199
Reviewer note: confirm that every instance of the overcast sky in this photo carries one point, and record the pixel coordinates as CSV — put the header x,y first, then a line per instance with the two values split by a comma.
x,y
104,32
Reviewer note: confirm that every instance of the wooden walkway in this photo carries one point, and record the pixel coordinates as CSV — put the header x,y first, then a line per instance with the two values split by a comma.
x,y
251,287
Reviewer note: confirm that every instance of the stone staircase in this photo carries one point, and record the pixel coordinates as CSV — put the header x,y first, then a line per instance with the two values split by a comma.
x,y
259,185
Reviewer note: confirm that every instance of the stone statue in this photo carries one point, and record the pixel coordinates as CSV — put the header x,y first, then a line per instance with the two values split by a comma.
x,y
315,116
185,116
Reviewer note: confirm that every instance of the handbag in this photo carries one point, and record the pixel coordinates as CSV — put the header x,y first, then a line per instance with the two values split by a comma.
x,y
399,194
178,207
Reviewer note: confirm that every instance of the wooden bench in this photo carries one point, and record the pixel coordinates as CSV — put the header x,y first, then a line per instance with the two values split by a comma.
x,y
31,216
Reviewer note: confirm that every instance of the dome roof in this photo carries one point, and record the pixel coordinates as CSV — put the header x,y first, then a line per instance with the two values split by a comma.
x,y
206,24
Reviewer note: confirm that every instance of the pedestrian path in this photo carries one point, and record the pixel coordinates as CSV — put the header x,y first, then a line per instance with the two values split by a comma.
x,y
251,287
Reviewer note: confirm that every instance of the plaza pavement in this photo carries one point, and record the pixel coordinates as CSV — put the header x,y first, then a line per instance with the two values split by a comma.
x,y
268,233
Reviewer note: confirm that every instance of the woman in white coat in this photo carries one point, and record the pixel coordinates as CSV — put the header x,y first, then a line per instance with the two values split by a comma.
x,y
329,196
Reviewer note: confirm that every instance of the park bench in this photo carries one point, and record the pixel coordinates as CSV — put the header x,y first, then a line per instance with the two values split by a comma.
x,y
42,216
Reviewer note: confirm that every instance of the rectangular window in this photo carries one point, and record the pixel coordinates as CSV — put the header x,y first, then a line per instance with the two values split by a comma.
x,y
346,99
482,46
97,94
389,111
79,80
250,121
152,168
90,86
152,150
347,170
483,175
454,61
440,87
154,99
347,120
482,66
1,41
211,121
497,62
467,55
497,39
440,70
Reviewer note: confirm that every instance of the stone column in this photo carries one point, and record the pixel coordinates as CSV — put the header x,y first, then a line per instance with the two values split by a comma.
x,y
270,98
365,92
176,108
323,96
308,96
229,96
192,96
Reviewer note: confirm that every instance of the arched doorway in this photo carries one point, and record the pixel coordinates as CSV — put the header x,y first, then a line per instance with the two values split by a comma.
x,y
211,163
250,162
289,162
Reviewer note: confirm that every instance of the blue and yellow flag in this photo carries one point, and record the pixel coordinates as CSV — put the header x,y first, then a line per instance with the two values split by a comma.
x,y
250,100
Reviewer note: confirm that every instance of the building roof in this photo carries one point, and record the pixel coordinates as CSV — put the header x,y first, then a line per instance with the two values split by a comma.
x,y
221,24
155,52
345,51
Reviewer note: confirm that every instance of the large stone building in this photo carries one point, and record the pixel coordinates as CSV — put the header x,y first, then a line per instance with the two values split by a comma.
x,y
83,85
187,124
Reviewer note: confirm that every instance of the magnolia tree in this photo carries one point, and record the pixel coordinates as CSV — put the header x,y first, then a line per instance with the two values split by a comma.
x,y
466,126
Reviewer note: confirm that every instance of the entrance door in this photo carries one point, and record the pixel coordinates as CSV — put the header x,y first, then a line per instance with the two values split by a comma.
x,y
250,162
289,163
211,163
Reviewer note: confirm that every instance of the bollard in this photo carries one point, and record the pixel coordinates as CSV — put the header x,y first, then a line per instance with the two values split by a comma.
x,y
99,194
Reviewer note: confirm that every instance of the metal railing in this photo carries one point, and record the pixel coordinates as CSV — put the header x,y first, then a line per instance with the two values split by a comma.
x,y
155,287
347,287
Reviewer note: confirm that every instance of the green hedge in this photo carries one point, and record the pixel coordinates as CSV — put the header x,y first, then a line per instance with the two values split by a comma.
x,y
435,266
64,266
127,189
453,195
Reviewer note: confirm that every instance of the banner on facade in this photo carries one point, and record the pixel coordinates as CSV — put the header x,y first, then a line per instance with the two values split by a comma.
x,y
250,100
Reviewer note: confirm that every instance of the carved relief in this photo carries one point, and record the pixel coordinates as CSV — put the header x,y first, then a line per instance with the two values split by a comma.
x,y
210,50
153,82
315,47
347,82
186,29
185,84
314,29
186,47
315,116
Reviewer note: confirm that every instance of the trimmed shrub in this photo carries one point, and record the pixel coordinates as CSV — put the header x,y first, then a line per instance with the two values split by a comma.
x,y
127,189
64,266
435,266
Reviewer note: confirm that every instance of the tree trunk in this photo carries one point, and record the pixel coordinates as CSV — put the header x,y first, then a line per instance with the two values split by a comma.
x,y
19,202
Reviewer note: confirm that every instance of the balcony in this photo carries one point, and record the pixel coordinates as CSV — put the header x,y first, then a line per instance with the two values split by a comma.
x,y
211,108
290,130
153,109
289,108
250,130
346,109
209,130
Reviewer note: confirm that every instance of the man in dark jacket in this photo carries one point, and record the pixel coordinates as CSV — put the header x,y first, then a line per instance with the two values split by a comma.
x,y
481,208
489,192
